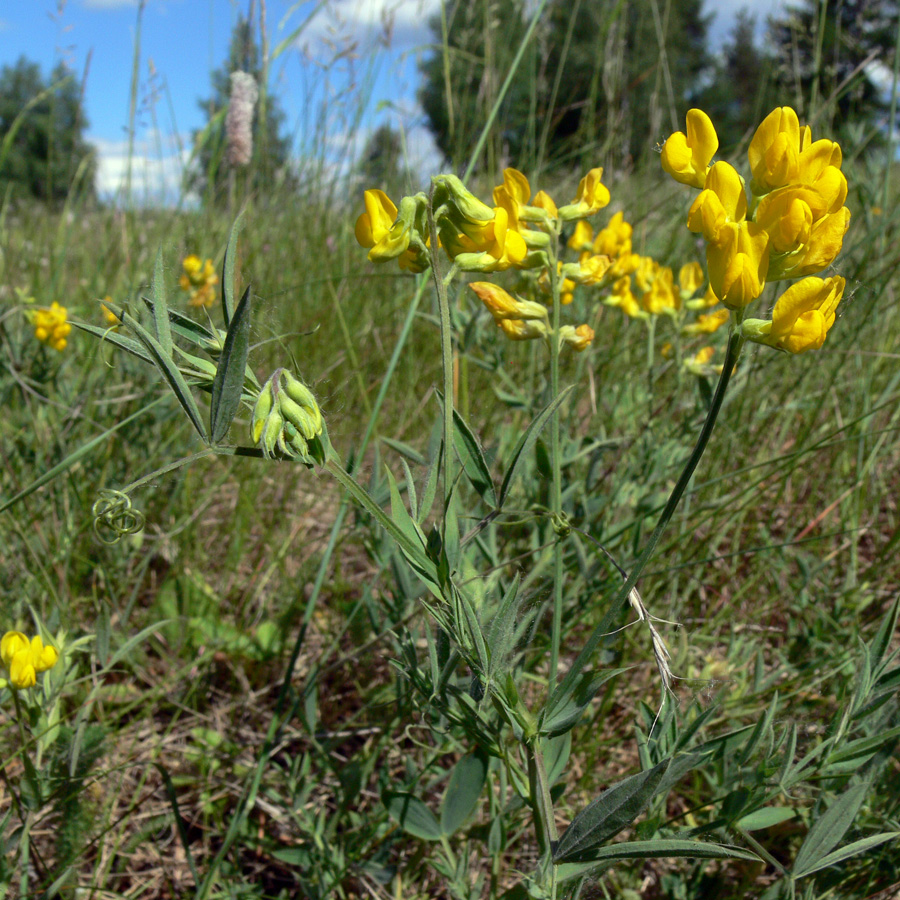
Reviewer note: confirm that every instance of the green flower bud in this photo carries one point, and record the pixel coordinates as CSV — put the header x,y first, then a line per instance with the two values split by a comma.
x,y
298,416
469,206
302,395
272,434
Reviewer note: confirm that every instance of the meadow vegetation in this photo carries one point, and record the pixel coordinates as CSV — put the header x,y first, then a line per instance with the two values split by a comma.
x,y
282,658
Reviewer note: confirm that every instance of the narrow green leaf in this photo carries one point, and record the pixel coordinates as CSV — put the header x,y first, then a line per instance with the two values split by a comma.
x,y
228,267
410,490
405,450
228,385
763,725
765,818
401,516
526,441
556,754
564,709
827,832
463,790
861,749
499,633
118,340
473,625
849,850
471,456
430,490
412,815
658,849
169,370
183,325
882,641
160,307
616,808
411,546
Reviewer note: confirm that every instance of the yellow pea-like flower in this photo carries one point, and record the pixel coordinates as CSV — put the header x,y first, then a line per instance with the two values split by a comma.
x,y
802,316
738,263
24,659
591,197
707,323
579,339
686,156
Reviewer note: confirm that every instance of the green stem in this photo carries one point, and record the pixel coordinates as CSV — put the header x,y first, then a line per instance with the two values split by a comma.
x,y
556,466
732,354
446,354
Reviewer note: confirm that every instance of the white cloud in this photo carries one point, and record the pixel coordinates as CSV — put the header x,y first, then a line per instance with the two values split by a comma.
x,y
156,171
397,22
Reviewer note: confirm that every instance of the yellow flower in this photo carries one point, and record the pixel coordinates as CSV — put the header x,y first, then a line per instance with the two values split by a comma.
x,y
721,202
661,296
579,339
24,660
374,228
738,263
502,305
645,272
591,197
582,237
686,157
615,239
198,280
623,297
699,363
690,277
50,325
589,270
542,200
486,246
802,316
707,323
774,152
523,329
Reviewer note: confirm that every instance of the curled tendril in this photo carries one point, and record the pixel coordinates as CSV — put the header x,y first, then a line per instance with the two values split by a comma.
x,y
561,524
113,513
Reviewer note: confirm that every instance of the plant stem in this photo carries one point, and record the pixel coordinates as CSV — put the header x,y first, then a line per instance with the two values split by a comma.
x,y
446,354
556,466
732,354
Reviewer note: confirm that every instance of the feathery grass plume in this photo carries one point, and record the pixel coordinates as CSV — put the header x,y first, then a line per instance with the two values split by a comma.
x,y
239,121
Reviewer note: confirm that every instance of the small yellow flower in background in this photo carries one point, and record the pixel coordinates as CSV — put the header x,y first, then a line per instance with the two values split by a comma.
x,y
661,296
690,278
524,329
198,280
802,316
686,157
699,363
579,339
50,325
707,323
591,197
582,238
622,297
615,239
111,319
24,659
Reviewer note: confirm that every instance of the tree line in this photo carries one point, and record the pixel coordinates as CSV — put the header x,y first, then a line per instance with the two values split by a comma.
x,y
599,79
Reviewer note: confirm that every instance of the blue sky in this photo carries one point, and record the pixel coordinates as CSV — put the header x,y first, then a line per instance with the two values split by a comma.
x,y
182,41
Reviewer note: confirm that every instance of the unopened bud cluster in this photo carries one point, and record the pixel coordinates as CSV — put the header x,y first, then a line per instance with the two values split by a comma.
x,y
287,420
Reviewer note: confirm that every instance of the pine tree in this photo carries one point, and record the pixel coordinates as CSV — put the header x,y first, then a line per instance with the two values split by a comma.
x,y
825,49
47,155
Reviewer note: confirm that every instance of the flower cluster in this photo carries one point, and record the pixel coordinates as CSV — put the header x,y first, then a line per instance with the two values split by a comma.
x,y
518,231
25,659
198,280
791,226
286,417
50,325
